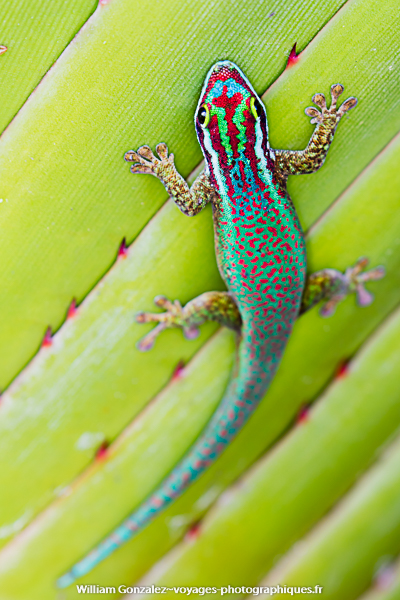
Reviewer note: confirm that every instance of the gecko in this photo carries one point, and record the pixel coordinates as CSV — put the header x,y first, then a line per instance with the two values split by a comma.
x,y
261,255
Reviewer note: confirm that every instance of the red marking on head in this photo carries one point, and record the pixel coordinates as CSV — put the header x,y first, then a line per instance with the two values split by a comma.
x,y
47,340
3,49
123,249
72,310
221,72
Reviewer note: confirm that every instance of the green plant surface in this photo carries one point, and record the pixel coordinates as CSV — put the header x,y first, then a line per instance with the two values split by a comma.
x,y
93,379
123,473
359,50
35,34
343,551
314,351
128,78
69,198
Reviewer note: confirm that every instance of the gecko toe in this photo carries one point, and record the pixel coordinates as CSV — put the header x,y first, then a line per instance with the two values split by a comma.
x,y
146,152
319,100
140,168
314,113
329,307
165,303
191,333
336,90
373,274
162,150
131,156
347,105
364,297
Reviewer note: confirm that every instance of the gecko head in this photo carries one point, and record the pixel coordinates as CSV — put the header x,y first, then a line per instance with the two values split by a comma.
x,y
230,118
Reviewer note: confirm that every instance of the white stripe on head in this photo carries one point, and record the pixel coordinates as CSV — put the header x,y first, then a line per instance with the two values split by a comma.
x,y
214,160
259,150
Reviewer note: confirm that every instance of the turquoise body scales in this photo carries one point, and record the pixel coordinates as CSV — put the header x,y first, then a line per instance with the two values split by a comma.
x,y
261,255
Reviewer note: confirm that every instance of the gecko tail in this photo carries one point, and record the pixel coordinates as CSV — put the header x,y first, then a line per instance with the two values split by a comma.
x,y
121,535
240,399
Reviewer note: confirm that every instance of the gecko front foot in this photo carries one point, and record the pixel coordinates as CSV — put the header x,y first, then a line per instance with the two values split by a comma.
x,y
327,115
174,316
352,281
146,162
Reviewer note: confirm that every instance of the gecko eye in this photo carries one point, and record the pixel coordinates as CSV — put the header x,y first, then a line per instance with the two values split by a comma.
x,y
256,108
203,116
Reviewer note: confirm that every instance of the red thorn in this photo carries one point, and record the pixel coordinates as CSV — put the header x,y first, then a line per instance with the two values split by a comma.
x,y
47,340
3,49
293,57
193,533
72,310
123,250
178,371
342,369
303,414
102,451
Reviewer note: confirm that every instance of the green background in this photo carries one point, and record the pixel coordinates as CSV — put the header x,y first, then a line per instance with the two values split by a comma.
x,y
312,503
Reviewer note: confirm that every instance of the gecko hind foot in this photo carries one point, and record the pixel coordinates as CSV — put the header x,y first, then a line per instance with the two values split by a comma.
x,y
146,162
319,116
172,317
353,281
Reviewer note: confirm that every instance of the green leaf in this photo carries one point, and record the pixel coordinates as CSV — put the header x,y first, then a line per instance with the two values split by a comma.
x,y
132,76
35,34
357,49
342,553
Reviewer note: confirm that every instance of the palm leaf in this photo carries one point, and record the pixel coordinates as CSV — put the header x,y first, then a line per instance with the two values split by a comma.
x,y
132,75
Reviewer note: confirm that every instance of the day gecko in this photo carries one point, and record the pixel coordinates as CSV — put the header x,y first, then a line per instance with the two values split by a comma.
x,y
261,256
